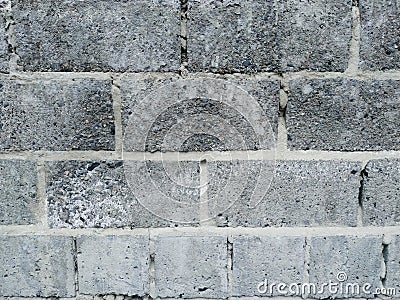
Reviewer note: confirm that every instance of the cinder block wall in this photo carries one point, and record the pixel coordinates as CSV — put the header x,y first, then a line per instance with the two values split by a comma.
x,y
116,119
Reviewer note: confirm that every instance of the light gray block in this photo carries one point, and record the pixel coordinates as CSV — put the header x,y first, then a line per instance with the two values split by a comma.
x,y
392,262
285,193
381,193
271,259
113,265
380,42
37,266
118,194
18,202
253,36
347,261
191,267
56,115
100,35
343,114
199,114
3,45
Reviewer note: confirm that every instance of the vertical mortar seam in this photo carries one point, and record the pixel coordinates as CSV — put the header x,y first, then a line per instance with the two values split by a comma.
x,y
117,109
282,129
354,45
229,275
183,38
11,39
152,280
360,212
41,192
306,271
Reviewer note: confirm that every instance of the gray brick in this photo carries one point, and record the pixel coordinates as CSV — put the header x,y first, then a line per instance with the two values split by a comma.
x,y
37,266
253,36
381,193
392,262
117,265
257,259
358,257
291,193
100,35
343,114
119,194
380,41
56,115
3,45
191,267
186,115
18,202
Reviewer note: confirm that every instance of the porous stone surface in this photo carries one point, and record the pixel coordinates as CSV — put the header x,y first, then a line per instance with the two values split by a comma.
x,y
260,259
381,192
37,266
56,115
346,260
253,36
284,193
118,194
343,114
3,45
113,264
100,35
191,267
392,263
18,200
380,41
199,114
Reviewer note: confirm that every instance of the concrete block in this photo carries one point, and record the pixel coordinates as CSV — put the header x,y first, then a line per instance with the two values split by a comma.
x,y
56,115
37,266
285,193
349,261
4,58
381,192
380,43
199,114
115,265
191,267
391,256
271,259
18,202
118,194
100,35
343,114
253,36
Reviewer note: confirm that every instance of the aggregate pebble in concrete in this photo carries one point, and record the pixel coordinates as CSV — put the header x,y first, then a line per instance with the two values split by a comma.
x,y
57,115
100,35
117,265
18,200
343,114
37,266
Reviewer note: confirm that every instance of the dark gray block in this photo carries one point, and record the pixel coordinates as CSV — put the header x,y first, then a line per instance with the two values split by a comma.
x,y
381,193
37,266
3,45
380,40
117,265
392,262
343,114
253,36
271,259
119,194
56,115
191,267
100,35
18,202
291,193
355,259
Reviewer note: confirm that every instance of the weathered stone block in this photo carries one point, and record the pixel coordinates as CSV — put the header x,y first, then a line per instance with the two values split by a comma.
x,y
3,46
100,35
343,114
37,266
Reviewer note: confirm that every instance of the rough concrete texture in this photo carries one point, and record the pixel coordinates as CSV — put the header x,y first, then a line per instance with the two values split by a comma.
x,y
346,259
199,114
37,266
3,45
98,193
260,258
117,265
343,114
100,35
391,256
56,115
253,36
381,193
296,193
380,40
191,267
18,202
